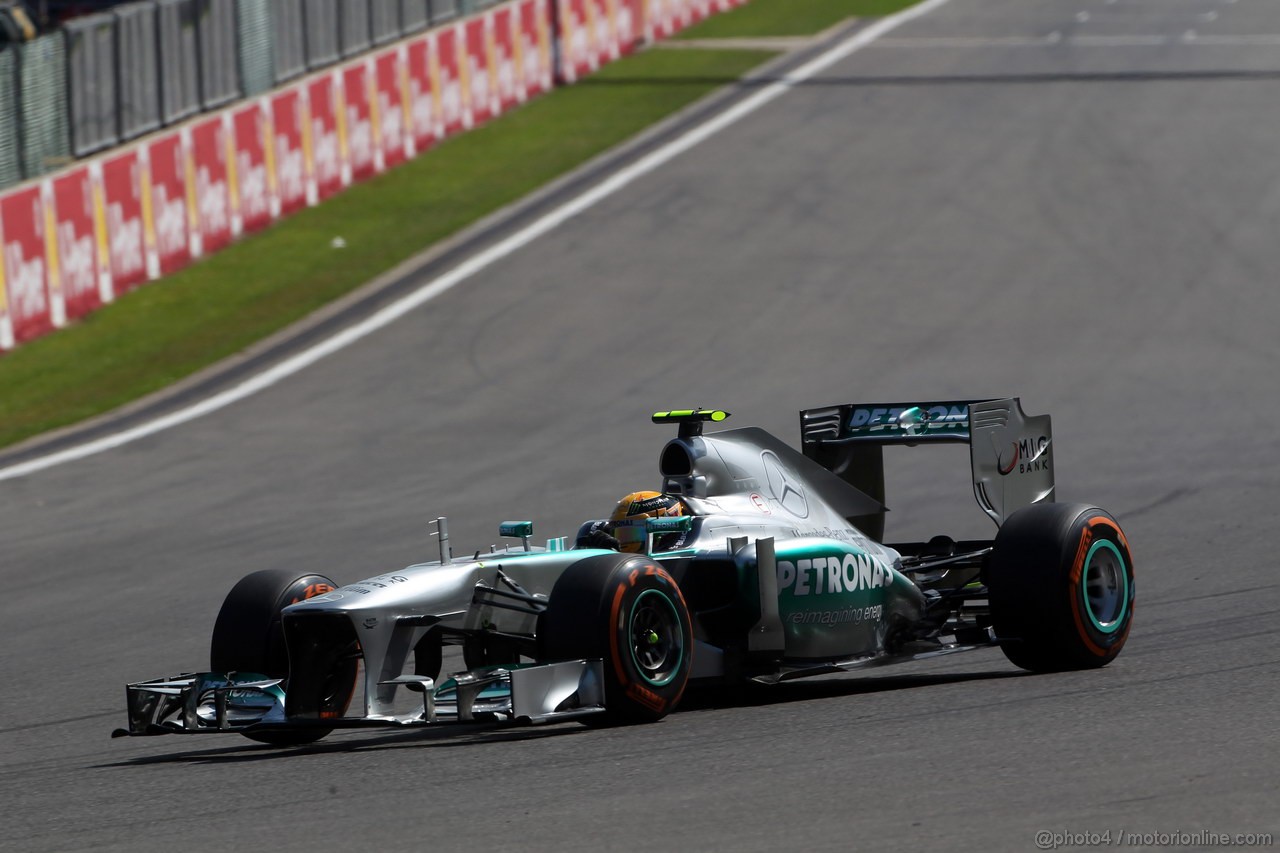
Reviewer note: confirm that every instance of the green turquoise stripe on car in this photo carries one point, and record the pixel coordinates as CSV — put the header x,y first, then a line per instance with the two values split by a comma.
x,y
1115,624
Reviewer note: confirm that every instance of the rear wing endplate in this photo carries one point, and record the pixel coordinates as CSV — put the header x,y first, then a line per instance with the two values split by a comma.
x,y
1011,453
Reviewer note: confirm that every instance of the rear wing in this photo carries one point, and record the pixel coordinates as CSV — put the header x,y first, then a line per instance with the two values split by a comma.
x,y
1011,453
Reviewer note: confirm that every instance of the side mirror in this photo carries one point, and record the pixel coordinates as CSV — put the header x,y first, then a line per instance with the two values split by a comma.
x,y
657,526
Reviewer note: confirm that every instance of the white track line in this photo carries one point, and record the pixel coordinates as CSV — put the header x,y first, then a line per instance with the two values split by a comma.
x,y
1056,38
488,257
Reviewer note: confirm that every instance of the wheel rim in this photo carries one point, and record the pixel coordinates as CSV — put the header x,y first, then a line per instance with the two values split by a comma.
x,y
656,637
1105,590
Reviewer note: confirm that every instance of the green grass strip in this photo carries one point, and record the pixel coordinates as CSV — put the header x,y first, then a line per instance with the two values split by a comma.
x,y
169,329
764,18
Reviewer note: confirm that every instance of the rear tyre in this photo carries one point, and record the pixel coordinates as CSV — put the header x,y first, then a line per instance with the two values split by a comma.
x,y
1060,579
629,612
248,637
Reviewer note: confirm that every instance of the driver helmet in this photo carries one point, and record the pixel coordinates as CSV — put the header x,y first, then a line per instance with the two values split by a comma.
x,y
628,517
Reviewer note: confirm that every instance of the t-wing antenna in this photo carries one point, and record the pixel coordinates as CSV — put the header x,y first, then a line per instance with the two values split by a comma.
x,y
690,420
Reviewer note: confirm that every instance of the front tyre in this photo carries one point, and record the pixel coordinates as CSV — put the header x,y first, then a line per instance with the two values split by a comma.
x,y
1060,580
248,637
629,612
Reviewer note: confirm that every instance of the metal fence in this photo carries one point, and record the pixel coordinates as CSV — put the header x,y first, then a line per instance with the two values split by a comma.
x,y
444,10
320,23
219,54
353,27
10,163
91,82
43,105
138,69
415,15
288,39
257,65
178,61
118,75
384,20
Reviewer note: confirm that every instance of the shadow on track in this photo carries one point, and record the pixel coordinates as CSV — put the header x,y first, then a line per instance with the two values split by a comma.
x,y
461,735
836,686
448,735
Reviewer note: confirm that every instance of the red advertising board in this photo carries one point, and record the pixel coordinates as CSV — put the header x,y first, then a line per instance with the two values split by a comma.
x,y
603,17
535,46
657,19
670,16
358,120
255,178
391,106
210,146
323,144
424,96
28,303
164,212
507,73
630,24
75,234
685,13
69,244
101,245
480,72
291,162
6,320
126,243
577,50
447,52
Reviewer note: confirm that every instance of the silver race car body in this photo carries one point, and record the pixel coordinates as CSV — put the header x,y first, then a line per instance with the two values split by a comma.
x,y
777,571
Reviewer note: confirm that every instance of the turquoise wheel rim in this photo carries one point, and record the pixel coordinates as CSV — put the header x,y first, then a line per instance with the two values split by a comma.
x,y
656,637
1104,589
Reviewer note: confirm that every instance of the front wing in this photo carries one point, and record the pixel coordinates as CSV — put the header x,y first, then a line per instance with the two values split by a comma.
x,y
211,702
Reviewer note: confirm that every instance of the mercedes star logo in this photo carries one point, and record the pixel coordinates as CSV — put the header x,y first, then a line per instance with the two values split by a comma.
x,y
783,485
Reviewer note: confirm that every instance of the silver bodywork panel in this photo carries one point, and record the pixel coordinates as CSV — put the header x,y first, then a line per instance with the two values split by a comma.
x,y
392,612
208,702
1012,457
820,595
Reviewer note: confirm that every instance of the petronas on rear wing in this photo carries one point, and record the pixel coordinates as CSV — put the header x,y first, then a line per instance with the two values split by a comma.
x,y
1011,452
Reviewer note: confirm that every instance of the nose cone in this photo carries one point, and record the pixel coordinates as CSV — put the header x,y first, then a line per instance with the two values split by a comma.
x,y
373,593
426,589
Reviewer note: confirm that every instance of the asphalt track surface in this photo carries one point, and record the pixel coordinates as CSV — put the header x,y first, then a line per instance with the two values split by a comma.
x,y
973,206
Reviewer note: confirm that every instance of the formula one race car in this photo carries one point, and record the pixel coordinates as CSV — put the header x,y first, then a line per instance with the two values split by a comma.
x,y
774,569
